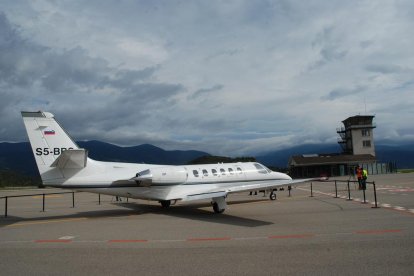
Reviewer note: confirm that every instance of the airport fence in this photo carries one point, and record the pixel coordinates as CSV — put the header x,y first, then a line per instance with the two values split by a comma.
x,y
348,189
6,199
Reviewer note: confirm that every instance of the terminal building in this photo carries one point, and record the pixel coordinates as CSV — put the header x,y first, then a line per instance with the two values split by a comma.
x,y
356,138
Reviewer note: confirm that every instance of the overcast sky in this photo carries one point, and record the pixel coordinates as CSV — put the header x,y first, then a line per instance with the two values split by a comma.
x,y
226,77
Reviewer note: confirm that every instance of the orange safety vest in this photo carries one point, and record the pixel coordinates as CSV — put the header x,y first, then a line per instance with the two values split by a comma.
x,y
359,173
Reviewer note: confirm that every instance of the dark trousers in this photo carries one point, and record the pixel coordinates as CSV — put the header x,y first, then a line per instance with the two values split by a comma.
x,y
363,184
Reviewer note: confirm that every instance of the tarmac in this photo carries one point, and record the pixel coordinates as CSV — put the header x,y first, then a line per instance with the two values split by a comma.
x,y
297,234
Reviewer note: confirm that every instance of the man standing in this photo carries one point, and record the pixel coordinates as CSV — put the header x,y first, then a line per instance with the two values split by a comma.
x,y
359,176
364,179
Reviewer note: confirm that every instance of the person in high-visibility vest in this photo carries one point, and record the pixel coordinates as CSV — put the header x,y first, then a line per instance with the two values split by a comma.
x,y
364,179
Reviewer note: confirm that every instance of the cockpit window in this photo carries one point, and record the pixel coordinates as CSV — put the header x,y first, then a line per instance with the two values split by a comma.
x,y
205,173
223,171
195,172
260,168
214,171
239,170
231,171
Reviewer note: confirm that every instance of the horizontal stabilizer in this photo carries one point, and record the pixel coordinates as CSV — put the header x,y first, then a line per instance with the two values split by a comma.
x,y
71,159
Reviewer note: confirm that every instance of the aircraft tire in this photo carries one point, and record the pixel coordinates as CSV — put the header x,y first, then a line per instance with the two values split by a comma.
x,y
216,208
272,196
165,203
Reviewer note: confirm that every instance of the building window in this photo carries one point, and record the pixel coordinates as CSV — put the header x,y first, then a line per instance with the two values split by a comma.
x,y
365,132
366,144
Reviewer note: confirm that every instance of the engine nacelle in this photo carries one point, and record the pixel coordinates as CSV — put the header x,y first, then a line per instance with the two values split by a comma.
x,y
163,176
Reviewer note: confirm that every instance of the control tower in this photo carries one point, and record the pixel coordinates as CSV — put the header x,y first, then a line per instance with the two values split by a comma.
x,y
357,137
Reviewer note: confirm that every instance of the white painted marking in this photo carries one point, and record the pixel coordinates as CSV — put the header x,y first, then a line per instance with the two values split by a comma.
x,y
67,238
399,208
386,205
411,211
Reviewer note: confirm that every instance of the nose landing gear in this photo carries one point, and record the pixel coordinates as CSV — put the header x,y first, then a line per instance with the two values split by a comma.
x,y
165,203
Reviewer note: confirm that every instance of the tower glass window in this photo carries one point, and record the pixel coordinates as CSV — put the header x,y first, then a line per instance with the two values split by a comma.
x,y
365,132
366,144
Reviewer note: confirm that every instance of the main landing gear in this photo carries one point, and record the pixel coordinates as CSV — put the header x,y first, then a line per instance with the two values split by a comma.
x,y
219,204
272,195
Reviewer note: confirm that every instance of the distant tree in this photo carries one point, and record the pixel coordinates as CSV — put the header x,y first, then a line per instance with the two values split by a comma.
x,y
9,178
279,169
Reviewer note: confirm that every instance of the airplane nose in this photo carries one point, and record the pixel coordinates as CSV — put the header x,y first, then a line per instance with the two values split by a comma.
x,y
284,176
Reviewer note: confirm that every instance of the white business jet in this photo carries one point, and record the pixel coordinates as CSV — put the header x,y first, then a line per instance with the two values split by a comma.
x,y
63,164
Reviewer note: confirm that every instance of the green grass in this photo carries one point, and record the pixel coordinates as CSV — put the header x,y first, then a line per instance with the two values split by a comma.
x,y
406,170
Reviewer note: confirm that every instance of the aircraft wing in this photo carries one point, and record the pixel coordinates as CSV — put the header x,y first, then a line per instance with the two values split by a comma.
x,y
235,187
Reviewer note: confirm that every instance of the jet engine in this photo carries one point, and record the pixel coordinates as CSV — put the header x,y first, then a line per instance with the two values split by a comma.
x,y
162,176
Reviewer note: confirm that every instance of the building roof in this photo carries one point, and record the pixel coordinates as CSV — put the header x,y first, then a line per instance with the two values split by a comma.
x,y
329,159
359,120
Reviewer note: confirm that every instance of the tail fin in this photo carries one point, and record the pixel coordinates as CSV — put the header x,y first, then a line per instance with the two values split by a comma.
x,y
48,141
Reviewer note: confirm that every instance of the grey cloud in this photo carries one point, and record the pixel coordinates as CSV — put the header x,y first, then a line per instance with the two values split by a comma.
x,y
204,91
19,60
123,77
331,53
342,92
330,47
72,84
366,43
385,68
223,53
109,69
73,69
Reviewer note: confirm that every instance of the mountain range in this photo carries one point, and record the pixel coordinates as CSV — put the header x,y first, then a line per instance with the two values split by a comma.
x,y
19,157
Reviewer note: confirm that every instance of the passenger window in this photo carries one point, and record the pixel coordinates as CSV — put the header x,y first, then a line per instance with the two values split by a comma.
x,y
231,171
195,172
214,171
239,170
223,171
205,173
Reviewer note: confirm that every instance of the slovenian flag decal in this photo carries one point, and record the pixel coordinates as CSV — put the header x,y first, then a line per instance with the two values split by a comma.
x,y
49,132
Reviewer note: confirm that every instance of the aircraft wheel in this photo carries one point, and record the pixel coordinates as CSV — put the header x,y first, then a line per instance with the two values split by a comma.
x,y
216,208
272,196
165,203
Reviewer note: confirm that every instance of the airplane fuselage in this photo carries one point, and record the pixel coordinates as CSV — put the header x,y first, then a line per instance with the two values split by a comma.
x,y
63,164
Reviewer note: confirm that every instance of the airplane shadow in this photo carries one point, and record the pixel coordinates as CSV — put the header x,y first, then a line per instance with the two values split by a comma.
x,y
192,212
197,213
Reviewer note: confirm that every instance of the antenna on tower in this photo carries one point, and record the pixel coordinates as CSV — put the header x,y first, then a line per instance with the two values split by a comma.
x,y
365,104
